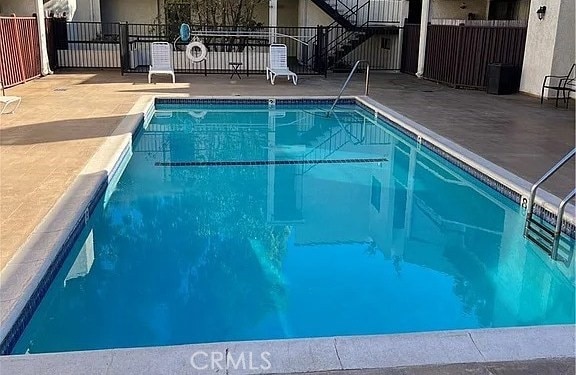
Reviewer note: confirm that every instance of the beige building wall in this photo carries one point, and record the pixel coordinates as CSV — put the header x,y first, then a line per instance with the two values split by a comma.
x,y
132,11
310,15
564,51
451,9
22,8
288,13
549,44
87,10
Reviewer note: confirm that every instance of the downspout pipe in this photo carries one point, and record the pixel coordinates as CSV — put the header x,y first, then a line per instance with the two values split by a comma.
x,y
423,34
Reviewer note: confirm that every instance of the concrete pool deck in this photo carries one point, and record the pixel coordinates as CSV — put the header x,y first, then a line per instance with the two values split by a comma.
x,y
567,340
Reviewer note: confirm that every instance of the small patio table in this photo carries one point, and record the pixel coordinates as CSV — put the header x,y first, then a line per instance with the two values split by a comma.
x,y
235,66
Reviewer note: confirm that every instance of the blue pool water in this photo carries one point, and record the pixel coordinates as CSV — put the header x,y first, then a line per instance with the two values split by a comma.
x,y
338,227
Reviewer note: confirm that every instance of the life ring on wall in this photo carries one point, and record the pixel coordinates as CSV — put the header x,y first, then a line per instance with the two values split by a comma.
x,y
191,46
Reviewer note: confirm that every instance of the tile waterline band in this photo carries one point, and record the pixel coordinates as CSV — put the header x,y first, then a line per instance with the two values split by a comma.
x,y
266,162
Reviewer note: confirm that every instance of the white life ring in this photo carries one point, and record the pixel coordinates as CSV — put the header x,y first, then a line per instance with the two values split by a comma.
x,y
191,56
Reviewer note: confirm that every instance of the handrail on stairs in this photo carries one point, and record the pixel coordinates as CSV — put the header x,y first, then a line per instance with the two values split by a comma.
x,y
366,83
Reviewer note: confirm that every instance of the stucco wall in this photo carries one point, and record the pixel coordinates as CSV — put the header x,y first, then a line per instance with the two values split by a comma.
x,y
549,43
133,11
22,8
564,51
450,9
287,12
87,10
310,15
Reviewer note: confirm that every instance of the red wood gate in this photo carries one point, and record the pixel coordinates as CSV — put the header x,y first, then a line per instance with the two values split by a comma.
x,y
19,50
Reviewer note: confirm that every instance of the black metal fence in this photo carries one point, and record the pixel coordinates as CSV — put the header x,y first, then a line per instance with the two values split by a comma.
x,y
311,50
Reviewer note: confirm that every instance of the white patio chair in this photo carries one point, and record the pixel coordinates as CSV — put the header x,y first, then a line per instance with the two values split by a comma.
x,y
7,101
161,60
279,64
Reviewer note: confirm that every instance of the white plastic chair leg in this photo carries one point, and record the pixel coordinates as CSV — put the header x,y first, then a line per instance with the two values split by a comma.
x,y
16,104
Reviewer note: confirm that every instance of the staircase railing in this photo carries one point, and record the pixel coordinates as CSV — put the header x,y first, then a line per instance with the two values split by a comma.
x,y
337,35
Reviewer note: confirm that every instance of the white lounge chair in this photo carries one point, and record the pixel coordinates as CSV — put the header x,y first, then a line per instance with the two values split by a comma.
x,y
161,60
7,101
279,64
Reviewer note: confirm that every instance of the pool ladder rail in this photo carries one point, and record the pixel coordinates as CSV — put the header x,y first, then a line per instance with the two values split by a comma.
x,y
539,231
366,83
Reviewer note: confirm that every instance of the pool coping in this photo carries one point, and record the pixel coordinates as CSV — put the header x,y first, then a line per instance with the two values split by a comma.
x,y
35,260
312,355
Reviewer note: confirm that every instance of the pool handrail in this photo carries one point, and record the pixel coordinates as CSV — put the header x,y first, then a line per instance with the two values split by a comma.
x,y
556,235
366,83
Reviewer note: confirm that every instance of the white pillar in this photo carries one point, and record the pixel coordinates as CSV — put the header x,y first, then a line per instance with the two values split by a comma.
x,y
44,63
423,32
273,19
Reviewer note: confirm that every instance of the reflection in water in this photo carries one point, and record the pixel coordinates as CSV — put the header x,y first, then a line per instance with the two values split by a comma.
x,y
204,254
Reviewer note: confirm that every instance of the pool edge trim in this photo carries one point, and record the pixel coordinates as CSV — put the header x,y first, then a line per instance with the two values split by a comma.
x,y
291,356
544,199
26,270
59,225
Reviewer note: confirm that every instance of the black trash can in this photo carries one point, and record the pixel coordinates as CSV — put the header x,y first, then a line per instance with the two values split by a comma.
x,y
502,79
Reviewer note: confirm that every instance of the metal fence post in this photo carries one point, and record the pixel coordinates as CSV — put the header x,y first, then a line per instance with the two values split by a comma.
x,y
318,49
51,40
124,47
325,50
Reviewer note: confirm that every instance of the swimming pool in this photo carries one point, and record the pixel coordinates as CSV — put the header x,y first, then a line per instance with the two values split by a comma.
x,y
254,221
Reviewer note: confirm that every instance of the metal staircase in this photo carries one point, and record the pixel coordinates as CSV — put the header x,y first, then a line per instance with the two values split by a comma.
x,y
539,231
341,12
347,32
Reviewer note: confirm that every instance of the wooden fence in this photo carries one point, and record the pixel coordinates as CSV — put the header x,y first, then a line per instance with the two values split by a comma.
x,y
459,55
19,50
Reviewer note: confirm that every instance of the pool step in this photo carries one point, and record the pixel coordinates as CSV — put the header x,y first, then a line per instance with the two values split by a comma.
x,y
550,240
542,234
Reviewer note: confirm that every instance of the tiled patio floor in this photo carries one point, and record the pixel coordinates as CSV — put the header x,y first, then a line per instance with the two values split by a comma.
x,y
64,118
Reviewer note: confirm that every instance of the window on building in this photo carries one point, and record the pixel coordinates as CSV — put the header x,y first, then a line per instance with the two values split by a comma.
x,y
385,43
